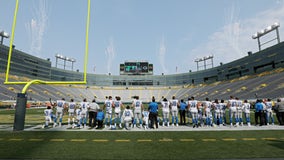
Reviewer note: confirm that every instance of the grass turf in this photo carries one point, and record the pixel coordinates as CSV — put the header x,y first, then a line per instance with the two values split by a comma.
x,y
130,145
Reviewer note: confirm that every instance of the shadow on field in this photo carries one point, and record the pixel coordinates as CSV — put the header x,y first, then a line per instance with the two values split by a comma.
x,y
277,143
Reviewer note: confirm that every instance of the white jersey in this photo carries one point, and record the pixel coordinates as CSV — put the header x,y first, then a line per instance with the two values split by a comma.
x,y
174,104
218,107
137,106
208,106
223,107
233,105
268,106
165,106
84,107
117,106
246,107
78,114
48,113
108,105
239,105
71,107
192,105
60,106
127,115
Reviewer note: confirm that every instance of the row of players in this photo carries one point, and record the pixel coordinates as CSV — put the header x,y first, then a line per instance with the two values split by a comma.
x,y
201,112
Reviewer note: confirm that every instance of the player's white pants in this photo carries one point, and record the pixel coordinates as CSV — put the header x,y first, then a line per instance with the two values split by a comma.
x,y
71,116
127,121
117,118
247,116
137,115
58,115
269,115
240,116
146,121
48,120
208,115
166,115
174,113
194,116
234,114
108,118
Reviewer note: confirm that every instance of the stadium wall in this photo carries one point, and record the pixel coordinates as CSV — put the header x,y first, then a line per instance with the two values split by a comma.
x,y
33,67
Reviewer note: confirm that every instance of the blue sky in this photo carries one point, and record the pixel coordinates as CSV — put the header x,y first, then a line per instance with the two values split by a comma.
x,y
171,34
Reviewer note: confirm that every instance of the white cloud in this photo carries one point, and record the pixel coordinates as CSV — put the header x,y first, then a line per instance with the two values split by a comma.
x,y
162,54
110,53
233,41
37,27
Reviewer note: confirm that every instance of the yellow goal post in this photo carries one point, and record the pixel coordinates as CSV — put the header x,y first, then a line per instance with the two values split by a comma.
x,y
37,81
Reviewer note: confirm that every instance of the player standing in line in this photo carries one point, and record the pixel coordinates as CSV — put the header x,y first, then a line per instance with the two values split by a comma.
x,y
117,111
223,107
93,111
246,107
60,105
108,108
232,105
137,105
71,111
239,111
78,117
192,106
47,116
208,113
269,113
217,107
127,117
145,115
174,110
166,112
84,112
182,109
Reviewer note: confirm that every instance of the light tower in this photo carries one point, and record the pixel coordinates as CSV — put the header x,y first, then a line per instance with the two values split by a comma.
x,y
3,35
204,59
268,29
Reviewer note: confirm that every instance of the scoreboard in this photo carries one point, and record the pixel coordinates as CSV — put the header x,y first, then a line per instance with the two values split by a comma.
x,y
136,68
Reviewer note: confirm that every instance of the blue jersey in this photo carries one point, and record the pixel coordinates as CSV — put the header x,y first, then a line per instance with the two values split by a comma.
x,y
100,116
153,107
183,106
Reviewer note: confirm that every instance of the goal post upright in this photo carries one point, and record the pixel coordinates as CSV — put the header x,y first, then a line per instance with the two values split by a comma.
x,y
19,120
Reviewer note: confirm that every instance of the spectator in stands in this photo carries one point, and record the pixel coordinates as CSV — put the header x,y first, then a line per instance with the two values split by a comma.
x,y
279,109
182,108
93,109
259,112
153,109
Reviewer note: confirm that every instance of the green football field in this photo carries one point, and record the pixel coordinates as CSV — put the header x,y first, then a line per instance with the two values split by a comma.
x,y
153,144
141,145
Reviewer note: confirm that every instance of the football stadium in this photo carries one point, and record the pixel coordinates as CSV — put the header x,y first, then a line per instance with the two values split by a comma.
x,y
33,92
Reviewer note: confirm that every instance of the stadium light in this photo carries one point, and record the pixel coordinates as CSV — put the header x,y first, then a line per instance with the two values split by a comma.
x,y
263,32
204,59
64,58
3,35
